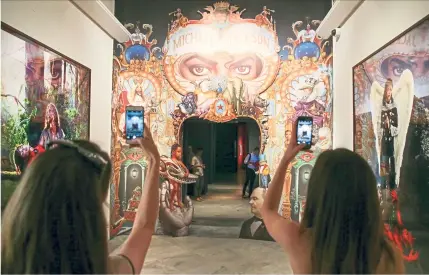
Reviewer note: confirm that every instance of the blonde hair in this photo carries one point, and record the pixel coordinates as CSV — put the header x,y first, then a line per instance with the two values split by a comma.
x,y
57,117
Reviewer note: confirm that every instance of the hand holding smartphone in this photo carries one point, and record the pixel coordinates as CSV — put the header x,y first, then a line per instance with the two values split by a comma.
x,y
134,123
304,131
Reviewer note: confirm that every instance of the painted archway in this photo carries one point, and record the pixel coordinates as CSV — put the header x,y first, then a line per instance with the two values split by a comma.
x,y
222,67
262,128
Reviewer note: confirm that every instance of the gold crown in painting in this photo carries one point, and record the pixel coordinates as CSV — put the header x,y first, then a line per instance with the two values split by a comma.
x,y
221,5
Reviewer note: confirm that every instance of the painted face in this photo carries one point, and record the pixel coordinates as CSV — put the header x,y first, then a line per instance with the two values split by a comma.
x,y
394,66
388,92
256,201
51,113
35,70
288,136
178,153
199,67
359,134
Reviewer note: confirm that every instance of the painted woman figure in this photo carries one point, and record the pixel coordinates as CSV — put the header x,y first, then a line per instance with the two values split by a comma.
x,y
52,129
389,131
264,173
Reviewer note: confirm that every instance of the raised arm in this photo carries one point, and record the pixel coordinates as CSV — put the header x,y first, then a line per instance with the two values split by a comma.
x,y
136,246
283,231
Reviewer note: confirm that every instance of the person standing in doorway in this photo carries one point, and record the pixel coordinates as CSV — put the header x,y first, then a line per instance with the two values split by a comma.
x,y
198,169
251,163
189,190
189,156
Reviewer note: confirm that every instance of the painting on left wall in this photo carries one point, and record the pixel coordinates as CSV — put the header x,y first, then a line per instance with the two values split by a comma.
x,y
44,95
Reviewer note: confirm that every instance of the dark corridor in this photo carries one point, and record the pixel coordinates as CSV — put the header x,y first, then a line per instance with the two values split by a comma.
x,y
220,145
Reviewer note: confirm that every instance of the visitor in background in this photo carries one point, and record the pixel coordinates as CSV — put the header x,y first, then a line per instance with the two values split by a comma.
x,y
263,172
54,222
251,163
342,230
254,228
198,169
189,156
188,163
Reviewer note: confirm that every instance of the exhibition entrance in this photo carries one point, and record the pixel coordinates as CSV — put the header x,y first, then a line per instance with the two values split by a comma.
x,y
225,145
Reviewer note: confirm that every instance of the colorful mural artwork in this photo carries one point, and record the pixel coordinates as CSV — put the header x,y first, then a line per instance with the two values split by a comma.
x,y
391,103
219,68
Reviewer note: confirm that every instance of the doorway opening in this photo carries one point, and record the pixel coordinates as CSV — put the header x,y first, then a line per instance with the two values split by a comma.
x,y
224,145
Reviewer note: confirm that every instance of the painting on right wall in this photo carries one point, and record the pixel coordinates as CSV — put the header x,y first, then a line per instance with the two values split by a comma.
x,y
391,129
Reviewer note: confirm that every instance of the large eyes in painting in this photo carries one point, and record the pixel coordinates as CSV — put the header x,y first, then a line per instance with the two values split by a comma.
x,y
196,67
394,66
247,67
199,70
398,70
242,70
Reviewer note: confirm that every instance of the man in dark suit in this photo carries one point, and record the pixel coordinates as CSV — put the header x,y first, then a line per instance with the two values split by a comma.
x,y
254,228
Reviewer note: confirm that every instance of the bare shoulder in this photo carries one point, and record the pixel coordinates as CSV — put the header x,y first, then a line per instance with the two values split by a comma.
x,y
391,265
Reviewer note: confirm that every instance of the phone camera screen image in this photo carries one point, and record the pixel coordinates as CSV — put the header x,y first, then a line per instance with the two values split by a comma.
x,y
304,132
134,124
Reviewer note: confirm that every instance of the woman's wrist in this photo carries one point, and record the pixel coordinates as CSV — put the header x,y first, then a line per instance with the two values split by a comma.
x,y
154,160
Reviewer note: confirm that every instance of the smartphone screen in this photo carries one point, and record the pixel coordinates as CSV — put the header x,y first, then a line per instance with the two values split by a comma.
x,y
134,123
304,131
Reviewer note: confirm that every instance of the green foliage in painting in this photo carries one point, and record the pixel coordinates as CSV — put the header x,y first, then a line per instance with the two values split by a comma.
x,y
75,129
15,127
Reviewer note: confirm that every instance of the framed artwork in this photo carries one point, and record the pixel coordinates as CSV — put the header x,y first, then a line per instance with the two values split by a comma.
x,y
44,96
391,105
391,130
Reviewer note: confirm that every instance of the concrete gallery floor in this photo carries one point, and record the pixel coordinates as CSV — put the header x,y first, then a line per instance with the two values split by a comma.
x,y
213,246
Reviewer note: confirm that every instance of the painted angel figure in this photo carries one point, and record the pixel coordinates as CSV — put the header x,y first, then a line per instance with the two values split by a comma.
x,y
391,111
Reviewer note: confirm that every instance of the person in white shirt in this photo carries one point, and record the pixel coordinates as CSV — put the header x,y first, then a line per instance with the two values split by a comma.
x,y
198,169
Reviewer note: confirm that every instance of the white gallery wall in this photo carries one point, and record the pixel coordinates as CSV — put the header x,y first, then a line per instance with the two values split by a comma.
x,y
61,26
374,24
110,4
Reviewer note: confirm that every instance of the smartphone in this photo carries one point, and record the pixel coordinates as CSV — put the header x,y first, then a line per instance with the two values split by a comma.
x,y
134,122
304,131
